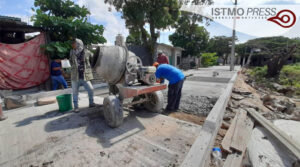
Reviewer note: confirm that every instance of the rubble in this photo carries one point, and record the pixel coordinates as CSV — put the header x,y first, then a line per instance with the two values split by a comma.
x,y
288,91
279,103
241,91
237,97
272,106
12,102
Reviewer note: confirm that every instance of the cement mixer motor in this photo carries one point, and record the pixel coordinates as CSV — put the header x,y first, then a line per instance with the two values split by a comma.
x,y
127,78
117,65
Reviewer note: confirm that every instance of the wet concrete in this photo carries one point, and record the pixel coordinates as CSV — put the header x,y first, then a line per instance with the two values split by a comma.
x,y
202,90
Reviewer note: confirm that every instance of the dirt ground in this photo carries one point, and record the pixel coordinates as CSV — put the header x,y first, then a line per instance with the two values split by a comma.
x,y
188,117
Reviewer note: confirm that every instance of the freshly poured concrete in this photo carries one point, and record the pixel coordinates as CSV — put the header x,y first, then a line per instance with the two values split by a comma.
x,y
41,135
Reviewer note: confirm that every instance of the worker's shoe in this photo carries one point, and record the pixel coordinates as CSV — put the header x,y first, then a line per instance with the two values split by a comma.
x,y
76,110
92,105
168,110
3,118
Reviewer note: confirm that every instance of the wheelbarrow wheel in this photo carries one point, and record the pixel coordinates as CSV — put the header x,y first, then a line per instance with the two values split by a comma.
x,y
155,102
113,112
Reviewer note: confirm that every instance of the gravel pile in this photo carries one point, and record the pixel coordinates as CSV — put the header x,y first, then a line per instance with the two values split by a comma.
x,y
197,105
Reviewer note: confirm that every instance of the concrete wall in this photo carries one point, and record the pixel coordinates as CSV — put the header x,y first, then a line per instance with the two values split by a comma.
x,y
172,53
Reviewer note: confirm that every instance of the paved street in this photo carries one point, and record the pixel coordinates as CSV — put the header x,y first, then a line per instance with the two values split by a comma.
x,y
37,135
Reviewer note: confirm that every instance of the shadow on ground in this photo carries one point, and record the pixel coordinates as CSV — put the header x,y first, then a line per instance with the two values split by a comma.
x,y
96,127
29,120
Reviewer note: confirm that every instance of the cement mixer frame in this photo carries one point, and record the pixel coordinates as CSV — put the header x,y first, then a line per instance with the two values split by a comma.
x,y
148,95
127,78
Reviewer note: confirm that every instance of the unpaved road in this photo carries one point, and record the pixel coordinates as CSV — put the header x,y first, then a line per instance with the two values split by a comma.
x,y
41,135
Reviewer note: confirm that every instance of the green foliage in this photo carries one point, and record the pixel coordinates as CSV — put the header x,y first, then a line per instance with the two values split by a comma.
x,y
290,76
259,73
134,38
57,49
63,20
220,45
190,36
277,50
159,14
209,59
242,50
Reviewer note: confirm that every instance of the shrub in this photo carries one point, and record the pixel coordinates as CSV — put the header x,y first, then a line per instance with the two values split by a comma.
x,y
209,59
290,76
259,73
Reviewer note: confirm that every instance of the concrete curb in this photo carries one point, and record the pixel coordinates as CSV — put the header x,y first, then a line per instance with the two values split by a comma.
x,y
199,154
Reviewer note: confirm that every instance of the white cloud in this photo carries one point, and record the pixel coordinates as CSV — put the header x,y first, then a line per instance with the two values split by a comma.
x,y
112,21
24,18
294,32
254,2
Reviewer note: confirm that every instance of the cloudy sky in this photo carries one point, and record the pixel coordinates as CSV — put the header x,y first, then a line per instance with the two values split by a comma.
x,y
114,24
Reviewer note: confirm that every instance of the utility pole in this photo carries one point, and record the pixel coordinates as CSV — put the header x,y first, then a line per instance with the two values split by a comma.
x,y
233,40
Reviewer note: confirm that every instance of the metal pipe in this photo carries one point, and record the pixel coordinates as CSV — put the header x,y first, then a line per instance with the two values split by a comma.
x,y
233,40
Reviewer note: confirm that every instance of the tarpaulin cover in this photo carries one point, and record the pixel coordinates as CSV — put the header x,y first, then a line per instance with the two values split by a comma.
x,y
23,65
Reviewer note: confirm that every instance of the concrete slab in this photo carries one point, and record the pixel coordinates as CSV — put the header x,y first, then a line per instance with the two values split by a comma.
x,y
41,135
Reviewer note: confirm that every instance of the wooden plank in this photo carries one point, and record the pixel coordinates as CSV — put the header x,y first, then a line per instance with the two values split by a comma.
x,y
282,137
234,160
228,137
240,139
202,147
242,132
131,91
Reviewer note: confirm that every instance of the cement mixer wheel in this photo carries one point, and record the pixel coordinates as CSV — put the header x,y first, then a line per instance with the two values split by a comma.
x,y
113,112
113,89
155,102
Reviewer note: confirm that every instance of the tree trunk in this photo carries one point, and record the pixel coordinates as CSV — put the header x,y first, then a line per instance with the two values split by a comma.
x,y
153,39
276,63
249,58
144,35
244,59
224,59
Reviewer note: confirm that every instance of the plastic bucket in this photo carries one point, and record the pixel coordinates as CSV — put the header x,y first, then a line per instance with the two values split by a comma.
x,y
64,102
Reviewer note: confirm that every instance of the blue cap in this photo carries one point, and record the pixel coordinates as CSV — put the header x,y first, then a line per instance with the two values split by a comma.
x,y
217,149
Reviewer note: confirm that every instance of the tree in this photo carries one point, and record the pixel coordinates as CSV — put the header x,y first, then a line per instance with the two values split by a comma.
x,y
189,35
243,52
158,14
209,59
63,20
134,38
220,45
277,49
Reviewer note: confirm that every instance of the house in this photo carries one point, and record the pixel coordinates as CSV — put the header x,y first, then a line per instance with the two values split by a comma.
x,y
13,30
174,53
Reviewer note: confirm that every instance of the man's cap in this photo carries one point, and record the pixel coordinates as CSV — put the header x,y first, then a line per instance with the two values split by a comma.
x,y
155,64
159,52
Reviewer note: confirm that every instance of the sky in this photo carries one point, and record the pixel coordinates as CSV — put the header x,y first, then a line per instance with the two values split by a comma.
x,y
114,24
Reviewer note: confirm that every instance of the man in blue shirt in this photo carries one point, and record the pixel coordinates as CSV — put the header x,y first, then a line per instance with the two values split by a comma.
x,y
176,79
56,74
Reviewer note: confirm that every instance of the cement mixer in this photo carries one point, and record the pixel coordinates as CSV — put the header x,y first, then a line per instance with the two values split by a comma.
x,y
127,78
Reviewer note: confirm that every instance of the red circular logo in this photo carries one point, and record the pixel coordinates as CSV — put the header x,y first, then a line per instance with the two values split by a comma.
x,y
285,18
